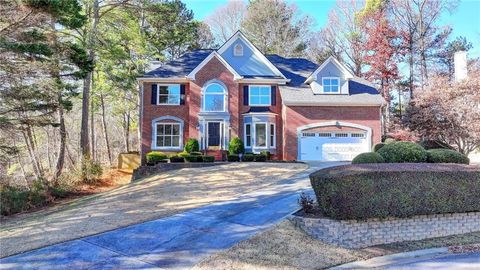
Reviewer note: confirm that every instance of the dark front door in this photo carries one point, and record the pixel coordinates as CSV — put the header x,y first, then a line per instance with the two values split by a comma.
x,y
213,134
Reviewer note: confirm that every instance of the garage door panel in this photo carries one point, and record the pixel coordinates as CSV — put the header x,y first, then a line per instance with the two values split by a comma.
x,y
332,146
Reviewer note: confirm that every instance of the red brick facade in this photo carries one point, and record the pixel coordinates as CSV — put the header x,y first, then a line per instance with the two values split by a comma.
x,y
288,119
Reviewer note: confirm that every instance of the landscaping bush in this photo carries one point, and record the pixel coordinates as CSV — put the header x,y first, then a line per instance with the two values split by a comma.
x,y
183,154
208,158
193,158
396,190
266,154
446,156
432,144
192,146
196,153
92,171
389,140
177,159
236,146
378,146
248,157
259,158
233,158
400,152
18,199
155,157
370,157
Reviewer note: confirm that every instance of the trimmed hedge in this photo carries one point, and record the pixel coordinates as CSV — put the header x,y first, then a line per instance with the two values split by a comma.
x,y
370,157
378,146
233,158
259,158
193,158
396,190
446,156
249,157
208,158
192,146
176,159
155,157
196,153
400,152
266,153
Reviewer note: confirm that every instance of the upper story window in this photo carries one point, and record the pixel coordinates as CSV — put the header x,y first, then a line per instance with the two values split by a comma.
x,y
214,98
238,50
260,95
168,94
331,85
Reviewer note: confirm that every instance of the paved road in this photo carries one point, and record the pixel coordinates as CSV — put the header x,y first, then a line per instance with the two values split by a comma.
x,y
176,242
468,261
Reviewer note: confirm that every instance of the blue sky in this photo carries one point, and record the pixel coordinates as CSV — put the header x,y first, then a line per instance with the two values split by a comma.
x,y
465,20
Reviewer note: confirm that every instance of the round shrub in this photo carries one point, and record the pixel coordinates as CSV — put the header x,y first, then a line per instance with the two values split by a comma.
x,y
446,156
248,157
192,146
233,158
389,140
377,146
370,157
208,158
400,152
155,157
236,146
266,153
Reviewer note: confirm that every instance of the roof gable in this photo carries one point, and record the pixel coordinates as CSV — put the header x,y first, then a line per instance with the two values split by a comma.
x,y
192,74
327,64
252,62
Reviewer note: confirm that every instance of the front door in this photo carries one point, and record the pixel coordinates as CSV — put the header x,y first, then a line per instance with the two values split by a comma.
x,y
214,138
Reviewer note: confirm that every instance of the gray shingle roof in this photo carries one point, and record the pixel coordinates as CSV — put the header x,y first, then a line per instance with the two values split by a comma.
x,y
181,66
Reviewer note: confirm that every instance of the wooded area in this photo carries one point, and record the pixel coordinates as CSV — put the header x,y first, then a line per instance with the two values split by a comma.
x,y
69,99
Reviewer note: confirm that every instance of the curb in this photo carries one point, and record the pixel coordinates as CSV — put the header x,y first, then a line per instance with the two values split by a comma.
x,y
395,258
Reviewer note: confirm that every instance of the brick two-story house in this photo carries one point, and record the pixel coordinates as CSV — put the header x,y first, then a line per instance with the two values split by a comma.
x,y
291,107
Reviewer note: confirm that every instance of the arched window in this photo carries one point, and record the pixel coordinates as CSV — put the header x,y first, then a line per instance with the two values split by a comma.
x,y
238,50
214,98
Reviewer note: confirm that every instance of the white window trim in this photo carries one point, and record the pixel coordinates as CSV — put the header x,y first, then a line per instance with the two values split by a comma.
x,y
245,134
274,136
180,134
166,120
269,95
331,78
240,48
168,104
204,93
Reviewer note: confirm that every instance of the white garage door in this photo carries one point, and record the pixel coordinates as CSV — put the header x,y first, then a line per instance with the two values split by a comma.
x,y
332,146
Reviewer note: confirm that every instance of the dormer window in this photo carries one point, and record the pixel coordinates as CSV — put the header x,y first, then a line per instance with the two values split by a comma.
x,y
331,84
238,50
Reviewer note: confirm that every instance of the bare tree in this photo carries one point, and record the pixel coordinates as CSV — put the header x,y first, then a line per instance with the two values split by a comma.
x,y
226,20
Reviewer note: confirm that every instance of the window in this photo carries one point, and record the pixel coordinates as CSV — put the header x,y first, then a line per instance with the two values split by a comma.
x,y
248,135
358,135
168,94
261,135
272,135
341,135
331,85
168,135
238,50
214,98
259,95
325,134
308,134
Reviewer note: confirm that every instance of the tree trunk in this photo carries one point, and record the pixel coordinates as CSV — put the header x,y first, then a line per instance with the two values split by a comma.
x,y
126,128
92,130
411,66
63,139
33,159
104,124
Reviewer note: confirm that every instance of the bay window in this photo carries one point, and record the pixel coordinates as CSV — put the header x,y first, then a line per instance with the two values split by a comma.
x,y
248,135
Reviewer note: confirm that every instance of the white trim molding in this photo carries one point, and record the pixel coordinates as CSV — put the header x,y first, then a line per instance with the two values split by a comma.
x,y
331,59
163,80
332,123
170,120
256,52
192,74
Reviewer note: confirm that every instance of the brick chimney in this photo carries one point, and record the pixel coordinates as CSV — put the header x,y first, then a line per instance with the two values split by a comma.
x,y
460,63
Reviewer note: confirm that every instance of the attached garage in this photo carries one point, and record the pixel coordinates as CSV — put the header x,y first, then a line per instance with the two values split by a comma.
x,y
333,142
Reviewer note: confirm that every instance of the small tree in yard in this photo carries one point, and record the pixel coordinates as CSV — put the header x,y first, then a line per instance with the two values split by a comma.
x,y
192,146
449,112
236,146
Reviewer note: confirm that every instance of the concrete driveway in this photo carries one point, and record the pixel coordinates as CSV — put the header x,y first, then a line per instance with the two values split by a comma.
x,y
181,240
